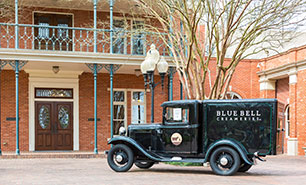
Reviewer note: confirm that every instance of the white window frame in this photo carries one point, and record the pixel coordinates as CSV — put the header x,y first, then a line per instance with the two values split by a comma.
x,y
144,103
287,122
124,103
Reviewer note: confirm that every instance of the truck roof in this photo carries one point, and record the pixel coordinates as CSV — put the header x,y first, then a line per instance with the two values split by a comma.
x,y
179,102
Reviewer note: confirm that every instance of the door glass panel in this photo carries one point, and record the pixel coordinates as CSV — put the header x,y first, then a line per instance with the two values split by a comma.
x,y
43,32
44,117
62,33
63,117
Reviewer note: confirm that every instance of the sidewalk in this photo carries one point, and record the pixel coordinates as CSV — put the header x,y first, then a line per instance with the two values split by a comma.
x,y
52,154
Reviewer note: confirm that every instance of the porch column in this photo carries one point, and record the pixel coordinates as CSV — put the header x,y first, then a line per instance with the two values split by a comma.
x,y
95,68
171,72
2,64
111,5
16,25
17,66
95,25
111,68
292,145
267,87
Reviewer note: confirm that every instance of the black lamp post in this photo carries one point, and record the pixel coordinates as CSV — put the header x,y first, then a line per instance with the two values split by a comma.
x,y
148,66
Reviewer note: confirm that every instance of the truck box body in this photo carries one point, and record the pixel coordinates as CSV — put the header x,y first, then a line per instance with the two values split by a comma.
x,y
251,123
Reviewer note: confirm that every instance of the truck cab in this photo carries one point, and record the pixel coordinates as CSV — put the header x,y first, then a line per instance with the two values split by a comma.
x,y
229,134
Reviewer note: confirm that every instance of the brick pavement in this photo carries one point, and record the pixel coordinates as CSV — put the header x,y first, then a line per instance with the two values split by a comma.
x,y
277,170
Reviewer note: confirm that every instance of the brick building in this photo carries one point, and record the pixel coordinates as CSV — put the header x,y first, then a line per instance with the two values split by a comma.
x,y
54,58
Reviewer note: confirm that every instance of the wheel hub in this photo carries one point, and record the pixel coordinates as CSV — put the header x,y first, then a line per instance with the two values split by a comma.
x,y
223,161
226,161
119,158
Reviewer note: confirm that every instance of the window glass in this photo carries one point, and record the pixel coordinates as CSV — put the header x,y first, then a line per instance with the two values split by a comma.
x,y
119,36
119,109
176,115
118,96
138,107
138,38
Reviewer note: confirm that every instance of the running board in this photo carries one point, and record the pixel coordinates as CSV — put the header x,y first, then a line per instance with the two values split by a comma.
x,y
185,160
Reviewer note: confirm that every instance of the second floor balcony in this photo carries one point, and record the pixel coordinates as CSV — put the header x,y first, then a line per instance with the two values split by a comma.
x,y
72,39
89,27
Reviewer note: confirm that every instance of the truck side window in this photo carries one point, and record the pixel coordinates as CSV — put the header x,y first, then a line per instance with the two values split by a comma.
x,y
176,115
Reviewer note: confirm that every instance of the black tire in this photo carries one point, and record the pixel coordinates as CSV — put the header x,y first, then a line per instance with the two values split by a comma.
x,y
244,167
231,161
127,158
144,165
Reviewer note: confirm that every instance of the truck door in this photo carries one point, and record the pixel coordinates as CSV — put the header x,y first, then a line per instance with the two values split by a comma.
x,y
178,134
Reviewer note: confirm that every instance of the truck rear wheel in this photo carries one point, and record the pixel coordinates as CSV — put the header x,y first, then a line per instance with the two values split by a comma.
x,y
144,165
224,161
120,158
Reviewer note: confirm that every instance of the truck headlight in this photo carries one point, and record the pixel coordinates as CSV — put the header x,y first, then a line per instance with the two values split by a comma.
x,y
122,131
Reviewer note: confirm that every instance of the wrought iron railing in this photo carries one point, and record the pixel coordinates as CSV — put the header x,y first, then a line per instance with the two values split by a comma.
x,y
72,39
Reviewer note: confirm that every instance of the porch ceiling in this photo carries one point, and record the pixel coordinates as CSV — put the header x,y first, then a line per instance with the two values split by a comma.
x,y
103,5
46,68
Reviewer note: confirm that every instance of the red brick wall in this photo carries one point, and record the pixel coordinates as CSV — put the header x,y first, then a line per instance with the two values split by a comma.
x,y
299,109
86,109
8,109
282,90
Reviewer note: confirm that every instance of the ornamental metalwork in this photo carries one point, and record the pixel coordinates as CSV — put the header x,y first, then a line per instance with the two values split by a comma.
x,y
63,117
74,39
53,93
44,117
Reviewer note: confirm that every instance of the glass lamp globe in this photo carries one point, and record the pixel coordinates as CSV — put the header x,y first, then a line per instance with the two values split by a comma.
x,y
143,67
154,53
162,66
150,64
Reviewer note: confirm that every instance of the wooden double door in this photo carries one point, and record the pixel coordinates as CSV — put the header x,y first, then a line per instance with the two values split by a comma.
x,y
53,126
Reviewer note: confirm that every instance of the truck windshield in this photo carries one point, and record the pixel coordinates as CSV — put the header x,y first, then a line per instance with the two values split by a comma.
x,y
176,115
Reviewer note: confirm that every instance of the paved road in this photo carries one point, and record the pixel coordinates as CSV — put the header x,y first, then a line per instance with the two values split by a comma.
x,y
277,170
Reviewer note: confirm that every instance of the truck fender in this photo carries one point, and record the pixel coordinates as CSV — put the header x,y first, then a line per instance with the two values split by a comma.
x,y
128,141
234,144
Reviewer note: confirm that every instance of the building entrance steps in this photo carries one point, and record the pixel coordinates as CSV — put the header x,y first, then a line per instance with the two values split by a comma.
x,y
52,154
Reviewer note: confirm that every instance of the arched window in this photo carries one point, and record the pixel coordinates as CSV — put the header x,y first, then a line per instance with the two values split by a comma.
x,y
232,95
287,121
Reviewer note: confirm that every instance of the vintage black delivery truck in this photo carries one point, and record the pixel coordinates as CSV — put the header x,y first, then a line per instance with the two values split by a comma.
x,y
229,134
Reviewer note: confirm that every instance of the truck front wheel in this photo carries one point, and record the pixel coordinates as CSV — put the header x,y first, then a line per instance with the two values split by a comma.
x,y
120,158
224,161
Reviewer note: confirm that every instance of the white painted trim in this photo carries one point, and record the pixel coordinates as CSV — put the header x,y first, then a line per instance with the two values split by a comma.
x,y
267,84
53,83
293,78
292,146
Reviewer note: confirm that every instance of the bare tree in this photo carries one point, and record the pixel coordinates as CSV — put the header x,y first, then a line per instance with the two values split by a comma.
x,y
220,33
